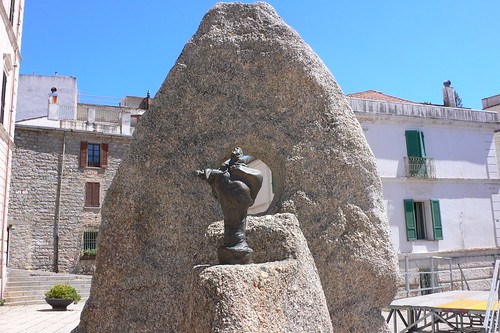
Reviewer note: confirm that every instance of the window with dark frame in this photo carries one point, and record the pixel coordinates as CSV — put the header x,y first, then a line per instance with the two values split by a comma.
x,y
419,210
89,240
92,194
4,94
94,155
12,11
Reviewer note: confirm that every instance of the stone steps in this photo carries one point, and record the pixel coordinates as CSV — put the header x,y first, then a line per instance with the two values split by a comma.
x,y
28,287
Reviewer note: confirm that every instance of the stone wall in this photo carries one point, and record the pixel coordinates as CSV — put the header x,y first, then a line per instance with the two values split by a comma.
x,y
38,164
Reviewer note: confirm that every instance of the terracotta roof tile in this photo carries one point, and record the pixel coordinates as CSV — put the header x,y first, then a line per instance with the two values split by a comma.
x,y
378,96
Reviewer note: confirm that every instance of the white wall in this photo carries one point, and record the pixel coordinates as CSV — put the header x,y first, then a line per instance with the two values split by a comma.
x,y
466,214
466,179
34,93
458,151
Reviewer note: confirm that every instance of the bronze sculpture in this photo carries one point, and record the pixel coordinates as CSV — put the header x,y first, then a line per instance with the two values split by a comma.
x,y
235,186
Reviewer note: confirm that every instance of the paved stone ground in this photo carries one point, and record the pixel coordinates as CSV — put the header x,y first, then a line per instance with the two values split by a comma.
x,y
39,318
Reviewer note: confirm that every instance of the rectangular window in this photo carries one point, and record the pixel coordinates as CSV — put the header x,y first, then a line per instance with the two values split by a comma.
x,y
419,210
94,155
417,214
92,194
89,240
3,99
12,11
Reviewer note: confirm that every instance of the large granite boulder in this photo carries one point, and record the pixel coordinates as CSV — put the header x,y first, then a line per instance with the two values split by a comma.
x,y
280,292
244,79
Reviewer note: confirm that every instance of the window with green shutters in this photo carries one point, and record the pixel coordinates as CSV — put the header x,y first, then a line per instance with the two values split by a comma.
x,y
415,150
416,221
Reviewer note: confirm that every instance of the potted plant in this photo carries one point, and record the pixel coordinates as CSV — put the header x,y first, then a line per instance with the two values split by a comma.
x,y
61,295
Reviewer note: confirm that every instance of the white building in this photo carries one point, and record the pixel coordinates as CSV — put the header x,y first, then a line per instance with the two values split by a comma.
x,y
491,103
439,173
11,25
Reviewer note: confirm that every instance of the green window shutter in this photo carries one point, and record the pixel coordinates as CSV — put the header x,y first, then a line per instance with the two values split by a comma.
x,y
422,144
415,146
436,220
411,227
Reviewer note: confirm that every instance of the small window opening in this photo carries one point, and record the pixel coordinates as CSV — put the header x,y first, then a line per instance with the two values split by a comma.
x,y
89,244
266,193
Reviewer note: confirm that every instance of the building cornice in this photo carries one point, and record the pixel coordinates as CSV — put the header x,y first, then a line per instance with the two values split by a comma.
x,y
404,112
408,180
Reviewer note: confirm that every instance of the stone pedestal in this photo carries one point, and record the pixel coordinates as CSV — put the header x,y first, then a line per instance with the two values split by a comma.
x,y
282,293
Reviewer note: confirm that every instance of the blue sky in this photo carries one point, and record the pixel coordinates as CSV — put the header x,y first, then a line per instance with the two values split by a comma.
x,y
402,48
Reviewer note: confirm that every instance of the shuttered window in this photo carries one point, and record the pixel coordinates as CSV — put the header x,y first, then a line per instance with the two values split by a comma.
x,y
92,194
416,223
436,220
94,154
415,149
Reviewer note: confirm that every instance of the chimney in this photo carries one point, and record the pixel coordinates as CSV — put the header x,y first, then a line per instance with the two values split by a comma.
x,y
90,116
53,105
449,94
125,122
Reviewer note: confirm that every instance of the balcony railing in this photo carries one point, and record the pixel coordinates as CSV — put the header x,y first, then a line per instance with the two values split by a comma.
x,y
420,167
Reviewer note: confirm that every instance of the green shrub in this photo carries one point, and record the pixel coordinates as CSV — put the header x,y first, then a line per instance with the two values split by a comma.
x,y
2,302
90,252
63,291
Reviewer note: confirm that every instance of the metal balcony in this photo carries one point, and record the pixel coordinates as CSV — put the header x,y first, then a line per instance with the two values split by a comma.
x,y
419,167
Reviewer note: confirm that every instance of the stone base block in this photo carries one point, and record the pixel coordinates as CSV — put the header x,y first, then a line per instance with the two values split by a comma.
x,y
278,296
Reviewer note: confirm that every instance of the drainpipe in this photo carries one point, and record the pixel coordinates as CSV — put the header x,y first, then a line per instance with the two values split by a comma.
x,y
57,214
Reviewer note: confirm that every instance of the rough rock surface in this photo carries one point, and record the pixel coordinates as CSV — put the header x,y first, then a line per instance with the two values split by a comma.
x,y
280,292
244,79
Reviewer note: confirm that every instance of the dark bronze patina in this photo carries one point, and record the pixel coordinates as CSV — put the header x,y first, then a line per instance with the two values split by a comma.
x,y
235,186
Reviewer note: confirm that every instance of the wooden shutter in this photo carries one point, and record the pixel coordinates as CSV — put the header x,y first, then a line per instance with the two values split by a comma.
x,y
92,194
415,146
83,153
96,202
104,155
436,220
411,227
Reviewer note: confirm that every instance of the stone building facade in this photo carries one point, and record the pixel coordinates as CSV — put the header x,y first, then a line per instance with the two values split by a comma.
x,y
53,205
